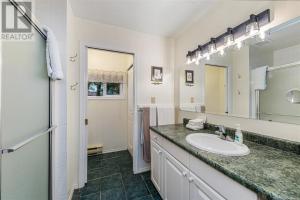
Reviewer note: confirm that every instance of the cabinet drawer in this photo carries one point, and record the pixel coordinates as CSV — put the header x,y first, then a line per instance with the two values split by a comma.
x,y
156,138
200,190
224,185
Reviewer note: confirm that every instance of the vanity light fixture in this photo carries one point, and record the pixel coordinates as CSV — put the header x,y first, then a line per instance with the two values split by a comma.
x,y
212,47
229,38
253,27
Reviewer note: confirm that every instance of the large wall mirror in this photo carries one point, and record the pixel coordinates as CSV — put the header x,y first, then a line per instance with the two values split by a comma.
x,y
258,80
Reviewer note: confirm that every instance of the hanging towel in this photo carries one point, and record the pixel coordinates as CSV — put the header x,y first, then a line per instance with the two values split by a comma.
x,y
259,78
145,134
54,67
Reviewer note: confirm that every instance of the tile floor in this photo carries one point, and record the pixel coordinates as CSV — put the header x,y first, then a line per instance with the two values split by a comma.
x,y
110,177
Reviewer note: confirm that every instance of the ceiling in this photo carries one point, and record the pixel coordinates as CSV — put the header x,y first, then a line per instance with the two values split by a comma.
x,y
159,17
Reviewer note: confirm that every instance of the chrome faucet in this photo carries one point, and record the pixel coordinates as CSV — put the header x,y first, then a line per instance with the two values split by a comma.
x,y
222,133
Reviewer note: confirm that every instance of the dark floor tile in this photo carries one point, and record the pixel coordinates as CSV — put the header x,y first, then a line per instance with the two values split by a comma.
x,y
136,190
107,171
148,197
151,188
110,182
108,162
90,187
130,178
93,164
94,196
108,155
113,194
123,153
126,168
146,175
94,157
103,172
93,174
156,196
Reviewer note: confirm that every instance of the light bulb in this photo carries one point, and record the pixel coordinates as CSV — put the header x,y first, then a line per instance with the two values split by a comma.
x,y
239,44
262,35
207,57
253,27
229,38
222,52
188,60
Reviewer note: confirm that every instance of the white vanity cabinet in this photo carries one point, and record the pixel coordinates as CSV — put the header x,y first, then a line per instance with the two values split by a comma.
x,y
175,179
156,166
178,175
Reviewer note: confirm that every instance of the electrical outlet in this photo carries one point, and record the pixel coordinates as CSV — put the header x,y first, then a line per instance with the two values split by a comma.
x,y
192,100
153,100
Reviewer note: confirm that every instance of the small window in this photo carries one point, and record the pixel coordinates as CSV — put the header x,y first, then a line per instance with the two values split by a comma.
x,y
113,88
95,89
105,90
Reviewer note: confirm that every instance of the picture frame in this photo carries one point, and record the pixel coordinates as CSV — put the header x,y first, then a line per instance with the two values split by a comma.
x,y
156,74
189,76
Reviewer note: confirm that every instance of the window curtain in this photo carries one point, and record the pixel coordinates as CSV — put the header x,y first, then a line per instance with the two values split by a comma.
x,y
95,75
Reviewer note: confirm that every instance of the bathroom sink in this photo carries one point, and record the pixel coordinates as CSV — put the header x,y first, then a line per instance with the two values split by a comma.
x,y
212,143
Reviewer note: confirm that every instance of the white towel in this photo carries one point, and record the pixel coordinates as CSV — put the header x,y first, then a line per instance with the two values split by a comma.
x,y
52,56
259,78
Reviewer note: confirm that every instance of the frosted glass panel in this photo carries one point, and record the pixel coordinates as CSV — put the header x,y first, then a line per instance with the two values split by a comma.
x,y
274,105
25,112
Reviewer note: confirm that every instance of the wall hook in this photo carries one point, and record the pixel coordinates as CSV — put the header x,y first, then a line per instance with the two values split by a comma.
x,y
73,58
73,86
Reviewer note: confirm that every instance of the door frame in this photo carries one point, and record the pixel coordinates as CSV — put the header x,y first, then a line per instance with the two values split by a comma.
x,y
83,137
227,106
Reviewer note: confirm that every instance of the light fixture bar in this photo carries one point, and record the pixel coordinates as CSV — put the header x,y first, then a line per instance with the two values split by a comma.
x,y
233,36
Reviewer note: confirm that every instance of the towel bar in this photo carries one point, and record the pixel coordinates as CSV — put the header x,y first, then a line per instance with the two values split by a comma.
x,y
25,142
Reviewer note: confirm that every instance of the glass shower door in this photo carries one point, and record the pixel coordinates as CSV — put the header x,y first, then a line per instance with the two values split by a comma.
x,y
25,117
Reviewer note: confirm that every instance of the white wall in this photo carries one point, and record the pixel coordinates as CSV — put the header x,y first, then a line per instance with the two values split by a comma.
x,y
219,20
72,106
148,49
108,117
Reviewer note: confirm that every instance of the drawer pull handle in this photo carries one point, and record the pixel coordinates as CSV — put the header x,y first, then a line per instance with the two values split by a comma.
x,y
184,174
160,152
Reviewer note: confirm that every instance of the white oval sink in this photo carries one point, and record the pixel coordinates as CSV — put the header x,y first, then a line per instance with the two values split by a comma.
x,y
212,143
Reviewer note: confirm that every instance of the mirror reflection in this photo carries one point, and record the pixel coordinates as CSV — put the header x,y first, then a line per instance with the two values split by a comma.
x,y
258,79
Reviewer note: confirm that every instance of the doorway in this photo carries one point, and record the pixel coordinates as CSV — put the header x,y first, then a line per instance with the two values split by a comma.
x,y
107,104
216,89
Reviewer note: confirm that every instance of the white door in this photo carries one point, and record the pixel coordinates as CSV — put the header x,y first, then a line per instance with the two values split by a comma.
x,y
130,118
176,185
156,166
199,190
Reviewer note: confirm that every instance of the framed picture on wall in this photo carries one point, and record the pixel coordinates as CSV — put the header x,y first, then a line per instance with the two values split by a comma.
x,y
189,76
156,74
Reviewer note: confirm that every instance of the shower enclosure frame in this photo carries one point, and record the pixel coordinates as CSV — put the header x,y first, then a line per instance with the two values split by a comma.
x,y
51,128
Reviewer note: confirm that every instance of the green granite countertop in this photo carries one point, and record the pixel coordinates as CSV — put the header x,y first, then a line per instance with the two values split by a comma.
x,y
272,173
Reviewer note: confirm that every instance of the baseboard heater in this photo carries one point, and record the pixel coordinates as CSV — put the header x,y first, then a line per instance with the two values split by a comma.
x,y
95,149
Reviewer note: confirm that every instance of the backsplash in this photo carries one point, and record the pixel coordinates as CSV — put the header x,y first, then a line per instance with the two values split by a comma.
x,y
277,143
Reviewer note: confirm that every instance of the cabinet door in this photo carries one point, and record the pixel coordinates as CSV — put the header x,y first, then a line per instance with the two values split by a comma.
x,y
156,166
199,190
176,185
